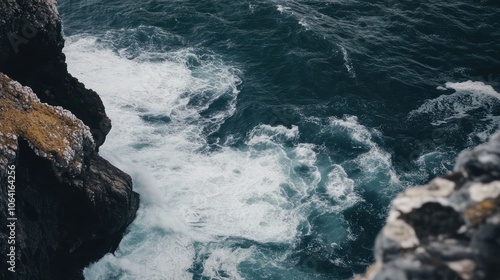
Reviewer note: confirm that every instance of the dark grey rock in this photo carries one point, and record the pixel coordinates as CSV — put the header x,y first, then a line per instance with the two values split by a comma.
x,y
31,46
447,229
72,206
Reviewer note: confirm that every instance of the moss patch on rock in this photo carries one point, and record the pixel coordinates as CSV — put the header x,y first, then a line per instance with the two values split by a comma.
x,y
53,132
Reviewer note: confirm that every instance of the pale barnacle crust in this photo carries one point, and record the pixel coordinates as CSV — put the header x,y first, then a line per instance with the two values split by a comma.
x,y
52,132
447,229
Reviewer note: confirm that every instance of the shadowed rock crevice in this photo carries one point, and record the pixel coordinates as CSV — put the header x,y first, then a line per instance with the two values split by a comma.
x,y
433,219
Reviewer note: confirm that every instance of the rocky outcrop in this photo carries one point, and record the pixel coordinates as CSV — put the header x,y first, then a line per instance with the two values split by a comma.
x,y
62,206
71,206
447,229
31,46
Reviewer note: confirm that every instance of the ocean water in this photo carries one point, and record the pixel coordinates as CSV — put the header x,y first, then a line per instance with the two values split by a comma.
x,y
267,138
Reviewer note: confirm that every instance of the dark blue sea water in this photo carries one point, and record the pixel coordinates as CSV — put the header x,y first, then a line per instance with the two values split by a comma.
x,y
268,137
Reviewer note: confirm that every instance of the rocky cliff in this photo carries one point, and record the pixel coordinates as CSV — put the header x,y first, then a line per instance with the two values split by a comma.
x,y
31,46
447,229
61,204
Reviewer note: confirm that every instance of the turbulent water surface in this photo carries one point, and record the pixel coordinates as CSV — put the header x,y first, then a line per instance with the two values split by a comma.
x,y
268,137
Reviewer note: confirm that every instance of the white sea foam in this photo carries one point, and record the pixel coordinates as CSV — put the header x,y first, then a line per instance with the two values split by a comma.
x,y
303,22
341,188
282,8
347,62
469,98
160,104
474,87
190,197
372,164
376,164
226,260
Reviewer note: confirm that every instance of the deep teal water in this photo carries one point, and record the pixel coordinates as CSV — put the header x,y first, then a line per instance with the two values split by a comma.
x,y
267,138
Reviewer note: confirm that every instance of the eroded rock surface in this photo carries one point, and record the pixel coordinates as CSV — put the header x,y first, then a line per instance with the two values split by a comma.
x,y
71,205
31,46
447,229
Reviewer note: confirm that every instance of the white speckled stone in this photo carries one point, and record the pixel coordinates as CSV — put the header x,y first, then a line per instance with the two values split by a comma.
x,y
78,141
479,192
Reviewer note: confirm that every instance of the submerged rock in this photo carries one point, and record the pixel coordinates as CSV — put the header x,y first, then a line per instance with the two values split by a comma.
x,y
447,229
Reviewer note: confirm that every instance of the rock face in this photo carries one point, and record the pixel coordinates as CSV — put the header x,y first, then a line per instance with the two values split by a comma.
x,y
447,229
62,206
31,53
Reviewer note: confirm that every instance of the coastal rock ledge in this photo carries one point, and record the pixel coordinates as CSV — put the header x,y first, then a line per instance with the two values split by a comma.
x,y
447,229
62,206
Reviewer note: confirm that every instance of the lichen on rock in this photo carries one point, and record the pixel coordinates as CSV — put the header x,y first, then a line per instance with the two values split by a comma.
x,y
31,46
52,132
72,206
